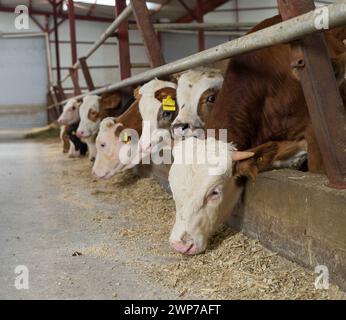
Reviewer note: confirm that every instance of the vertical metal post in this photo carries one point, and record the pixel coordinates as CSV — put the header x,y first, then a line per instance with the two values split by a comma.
x,y
123,43
71,18
56,41
322,94
147,31
200,13
86,73
74,77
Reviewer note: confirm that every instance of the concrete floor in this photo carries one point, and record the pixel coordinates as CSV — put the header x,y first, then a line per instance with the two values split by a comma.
x,y
41,231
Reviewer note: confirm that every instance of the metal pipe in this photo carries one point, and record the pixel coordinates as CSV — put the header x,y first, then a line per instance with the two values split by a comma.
x,y
283,32
56,39
200,25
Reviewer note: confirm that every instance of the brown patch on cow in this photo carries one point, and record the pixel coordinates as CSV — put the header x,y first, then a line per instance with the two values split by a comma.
x,y
131,118
65,140
118,130
205,107
109,104
110,124
93,115
164,93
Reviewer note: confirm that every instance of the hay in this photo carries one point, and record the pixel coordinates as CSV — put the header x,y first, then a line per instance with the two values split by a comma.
x,y
138,215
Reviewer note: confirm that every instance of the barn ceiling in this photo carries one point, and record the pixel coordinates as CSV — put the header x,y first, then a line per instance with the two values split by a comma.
x,y
166,10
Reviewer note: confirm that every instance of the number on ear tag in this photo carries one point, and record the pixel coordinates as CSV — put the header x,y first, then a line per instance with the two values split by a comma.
x,y
168,104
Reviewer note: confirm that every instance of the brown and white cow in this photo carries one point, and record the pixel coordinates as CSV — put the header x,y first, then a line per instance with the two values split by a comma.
x,y
92,110
69,116
197,90
262,107
117,143
156,121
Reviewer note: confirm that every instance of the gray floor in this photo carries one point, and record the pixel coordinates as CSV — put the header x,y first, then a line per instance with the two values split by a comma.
x,y
41,231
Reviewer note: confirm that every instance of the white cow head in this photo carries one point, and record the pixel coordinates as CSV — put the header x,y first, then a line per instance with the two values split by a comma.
x,y
115,146
70,114
203,189
197,90
89,120
156,120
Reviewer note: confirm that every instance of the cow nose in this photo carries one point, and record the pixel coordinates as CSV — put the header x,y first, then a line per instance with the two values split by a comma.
x,y
180,128
184,247
80,133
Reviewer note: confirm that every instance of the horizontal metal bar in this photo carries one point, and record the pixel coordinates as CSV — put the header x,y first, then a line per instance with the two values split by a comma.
x,y
114,66
283,32
104,44
202,25
207,33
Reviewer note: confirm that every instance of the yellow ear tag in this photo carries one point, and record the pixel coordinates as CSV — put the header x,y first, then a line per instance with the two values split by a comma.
x,y
126,138
168,104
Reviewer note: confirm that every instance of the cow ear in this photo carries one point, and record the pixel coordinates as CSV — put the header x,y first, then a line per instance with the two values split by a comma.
x,y
120,127
164,93
136,93
110,102
241,155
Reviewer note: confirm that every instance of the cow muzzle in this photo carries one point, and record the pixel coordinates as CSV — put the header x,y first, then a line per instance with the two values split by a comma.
x,y
185,130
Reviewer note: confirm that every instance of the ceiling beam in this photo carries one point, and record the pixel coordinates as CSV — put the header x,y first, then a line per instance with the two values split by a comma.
x,y
208,6
59,15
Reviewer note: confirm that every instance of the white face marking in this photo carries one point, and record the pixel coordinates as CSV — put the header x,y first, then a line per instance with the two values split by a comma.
x,y
87,127
202,200
191,85
70,114
149,108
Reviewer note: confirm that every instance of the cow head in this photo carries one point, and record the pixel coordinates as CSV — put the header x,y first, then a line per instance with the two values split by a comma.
x,y
156,120
196,93
203,197
93,110
70,114
113,143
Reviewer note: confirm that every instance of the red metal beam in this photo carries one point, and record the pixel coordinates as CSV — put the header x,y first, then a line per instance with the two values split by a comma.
x,y
199,12
207,7
56,39
147,31
59,15
192,14
326,108
74,78
123,42
86,73
72,31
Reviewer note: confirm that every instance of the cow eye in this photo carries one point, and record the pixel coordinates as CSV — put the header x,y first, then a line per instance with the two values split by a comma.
x,y
211,98
166,114
73,108
103,145
215,194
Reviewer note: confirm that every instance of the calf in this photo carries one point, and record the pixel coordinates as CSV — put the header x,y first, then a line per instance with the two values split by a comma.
x,y
197,90
117,137
92,111
157,119
206,182
69,120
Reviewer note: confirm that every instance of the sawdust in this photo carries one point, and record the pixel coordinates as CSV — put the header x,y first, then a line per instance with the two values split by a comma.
x,y
233,267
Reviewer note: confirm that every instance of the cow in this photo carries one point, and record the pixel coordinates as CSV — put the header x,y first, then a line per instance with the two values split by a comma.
x,y
69,120
93,109
117,135
197,90
262,107
156,120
